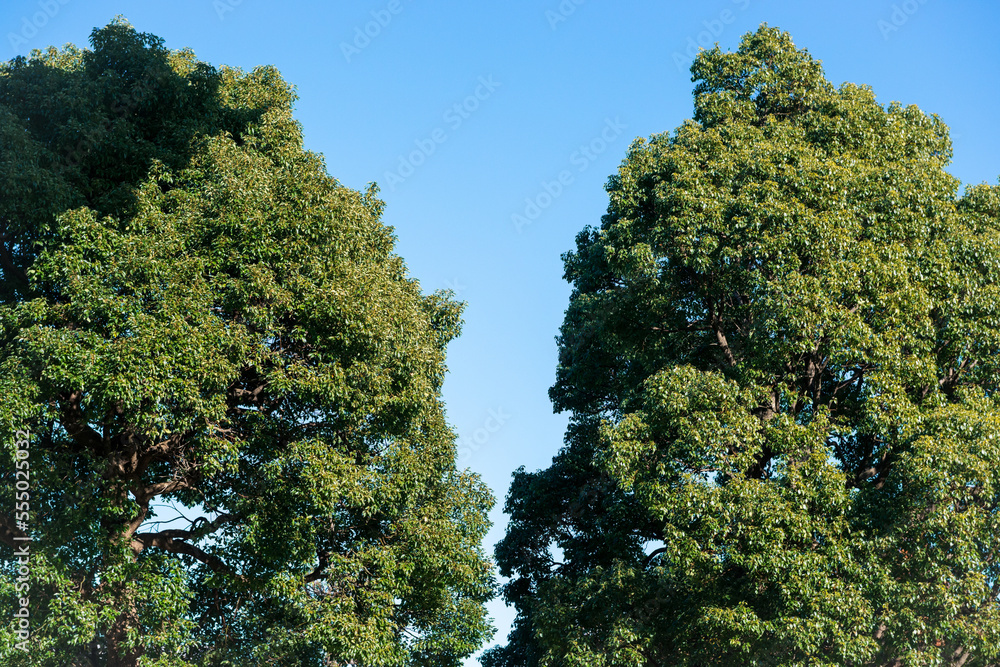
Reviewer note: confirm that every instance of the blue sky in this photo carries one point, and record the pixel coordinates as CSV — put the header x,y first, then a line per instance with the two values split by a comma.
x,y
469,114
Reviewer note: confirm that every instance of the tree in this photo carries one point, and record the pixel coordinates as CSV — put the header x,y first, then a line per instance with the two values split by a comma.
x,y
196,319
781,361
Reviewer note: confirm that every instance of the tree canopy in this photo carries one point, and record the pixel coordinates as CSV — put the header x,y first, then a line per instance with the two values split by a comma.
x,y
196,318
780,358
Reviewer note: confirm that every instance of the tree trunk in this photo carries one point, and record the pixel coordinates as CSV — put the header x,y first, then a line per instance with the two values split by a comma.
x,y
120,654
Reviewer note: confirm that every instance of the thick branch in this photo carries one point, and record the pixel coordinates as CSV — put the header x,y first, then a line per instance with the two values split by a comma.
x,y
715,320
199,531
138,520
720,337
9,531
813,378
160,451
141,541
652,555
766,411
858,376
75,423
757,470
951,377
145,493
324,560
238,393
879,470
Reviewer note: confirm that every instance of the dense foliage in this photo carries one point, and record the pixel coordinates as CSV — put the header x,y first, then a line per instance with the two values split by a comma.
x,y
196,318
781,361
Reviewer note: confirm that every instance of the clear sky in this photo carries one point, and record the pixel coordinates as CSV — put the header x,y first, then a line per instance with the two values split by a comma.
x,y
544,89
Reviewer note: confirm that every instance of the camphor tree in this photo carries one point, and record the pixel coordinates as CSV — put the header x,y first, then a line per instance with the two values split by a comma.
x,y
195,317
781,361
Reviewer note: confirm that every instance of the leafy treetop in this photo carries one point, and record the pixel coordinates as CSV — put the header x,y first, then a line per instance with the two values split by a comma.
x,y
781,360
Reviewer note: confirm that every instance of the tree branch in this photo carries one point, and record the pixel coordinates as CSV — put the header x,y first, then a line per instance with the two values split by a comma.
x,y
141,541
324,560
238,395
652,555
720,336
9,531
75,423
206,528
145,493
951,377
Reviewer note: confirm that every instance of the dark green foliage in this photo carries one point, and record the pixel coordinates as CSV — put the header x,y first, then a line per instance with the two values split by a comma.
x,y
194,314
